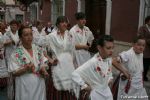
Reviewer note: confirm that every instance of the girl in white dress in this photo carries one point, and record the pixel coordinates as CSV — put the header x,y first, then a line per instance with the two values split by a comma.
x,y
95,75
62,45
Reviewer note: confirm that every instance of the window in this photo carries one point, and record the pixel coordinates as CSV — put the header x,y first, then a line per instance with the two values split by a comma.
x,y
2,17
57,9
2,1
19,17
147,8
33,11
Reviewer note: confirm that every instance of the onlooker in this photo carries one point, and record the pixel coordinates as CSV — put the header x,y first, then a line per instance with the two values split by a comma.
x,y
49,28
145,31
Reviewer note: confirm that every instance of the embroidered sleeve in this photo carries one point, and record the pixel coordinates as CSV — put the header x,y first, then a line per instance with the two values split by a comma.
x,y
15,62
19,56
43,60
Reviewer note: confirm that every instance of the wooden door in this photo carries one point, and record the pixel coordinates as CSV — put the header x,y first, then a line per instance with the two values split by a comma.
x,y
95,11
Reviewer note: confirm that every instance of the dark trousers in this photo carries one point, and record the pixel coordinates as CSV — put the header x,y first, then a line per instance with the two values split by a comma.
x,y
146,62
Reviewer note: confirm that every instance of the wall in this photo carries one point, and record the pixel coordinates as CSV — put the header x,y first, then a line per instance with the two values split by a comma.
x,y
11,12
46,11
70,10
125,17
9,2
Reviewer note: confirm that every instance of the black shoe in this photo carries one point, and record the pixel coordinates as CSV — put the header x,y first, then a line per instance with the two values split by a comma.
x,y
145,79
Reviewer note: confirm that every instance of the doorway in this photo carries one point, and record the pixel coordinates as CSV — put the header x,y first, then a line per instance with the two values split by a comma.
x,y
95,11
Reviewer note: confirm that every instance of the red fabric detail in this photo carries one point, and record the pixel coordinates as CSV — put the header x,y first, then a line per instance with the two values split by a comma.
x,y
127,87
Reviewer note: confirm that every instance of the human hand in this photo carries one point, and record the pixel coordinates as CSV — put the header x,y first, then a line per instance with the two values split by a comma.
x,y
110,83
44,72
126,75
86,47
86,91
29,67
7,42
55,62
52,62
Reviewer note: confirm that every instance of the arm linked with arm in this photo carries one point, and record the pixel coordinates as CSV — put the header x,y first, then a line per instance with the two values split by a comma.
x,y
117,64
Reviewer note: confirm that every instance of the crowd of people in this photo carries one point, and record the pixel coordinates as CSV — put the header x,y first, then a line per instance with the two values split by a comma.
x,y
40,62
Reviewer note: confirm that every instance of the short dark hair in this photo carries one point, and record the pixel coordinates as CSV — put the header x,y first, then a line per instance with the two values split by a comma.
x,y
14,22
61,19
147,19
20,31
135,40
80,15
101,41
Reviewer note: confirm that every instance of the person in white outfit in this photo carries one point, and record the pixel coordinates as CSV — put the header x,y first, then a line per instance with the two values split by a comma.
x,y
27,64
83,38
95,75
132,60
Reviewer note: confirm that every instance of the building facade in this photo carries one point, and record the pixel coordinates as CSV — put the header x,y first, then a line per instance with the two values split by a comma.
x,y
120,18
9,10
103,16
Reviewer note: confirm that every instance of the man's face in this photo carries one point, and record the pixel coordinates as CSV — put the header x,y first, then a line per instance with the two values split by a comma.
x,y
107,50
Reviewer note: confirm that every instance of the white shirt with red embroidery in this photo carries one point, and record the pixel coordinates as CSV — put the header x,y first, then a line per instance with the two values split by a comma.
x,y
82,37
63,48
97,73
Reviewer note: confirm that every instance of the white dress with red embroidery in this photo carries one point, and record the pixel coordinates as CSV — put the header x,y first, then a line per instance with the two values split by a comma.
x,y
63,48
97,73
82,37
134,64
